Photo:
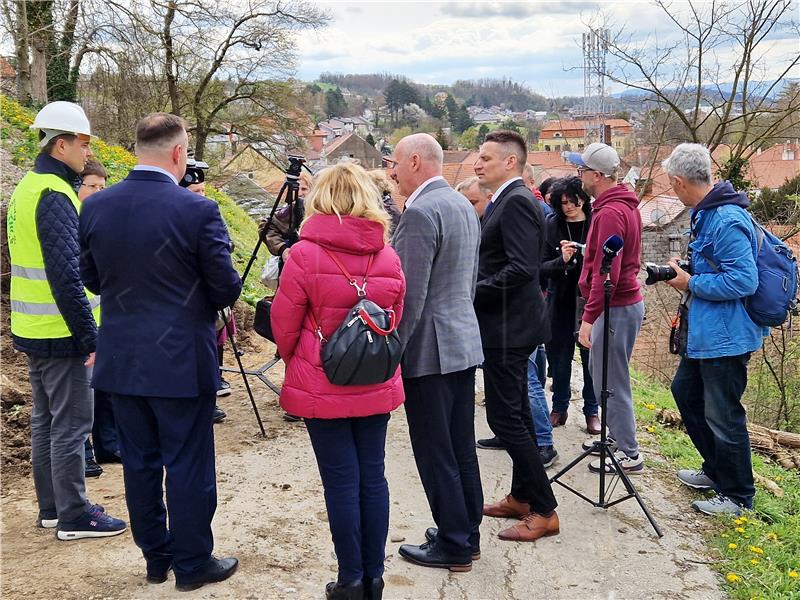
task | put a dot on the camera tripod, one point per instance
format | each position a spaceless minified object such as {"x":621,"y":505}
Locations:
{"x":604,"y":445}
{"x":289,"y":189}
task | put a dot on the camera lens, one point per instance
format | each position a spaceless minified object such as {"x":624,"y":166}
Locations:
{"x":656,"y":273}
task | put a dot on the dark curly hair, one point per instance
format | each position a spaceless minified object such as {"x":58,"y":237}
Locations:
{"x":571,"y":189}
{"x":545,"y":186}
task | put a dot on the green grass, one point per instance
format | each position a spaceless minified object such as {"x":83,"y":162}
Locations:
{"x":20,"y":141}
{"x":757,"y":556}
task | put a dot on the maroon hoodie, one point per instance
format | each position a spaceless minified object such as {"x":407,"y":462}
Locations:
{"x":614,"y":212}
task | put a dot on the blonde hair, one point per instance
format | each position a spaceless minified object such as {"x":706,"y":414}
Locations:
{"x":307,"y":179}
{"x":381,"y":181}
{"x":346,"y":189}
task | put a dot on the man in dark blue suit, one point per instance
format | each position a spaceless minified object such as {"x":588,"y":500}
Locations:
{"x":160,"y":257}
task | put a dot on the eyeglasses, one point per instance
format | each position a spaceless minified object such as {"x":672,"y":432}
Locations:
{"x":582,"y":170}
{"x":388,"y":163}
{"x":94,"y":186}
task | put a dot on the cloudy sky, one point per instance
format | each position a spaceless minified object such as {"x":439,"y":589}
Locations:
{"x":537,"y":43}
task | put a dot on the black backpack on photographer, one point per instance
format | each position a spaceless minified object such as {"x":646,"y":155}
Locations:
{"x":365,"y":349}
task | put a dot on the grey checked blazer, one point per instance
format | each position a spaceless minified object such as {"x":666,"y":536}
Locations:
{"x":438,"y":238}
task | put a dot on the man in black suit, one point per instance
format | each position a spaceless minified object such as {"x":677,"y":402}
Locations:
{"x":511,"y":314}
{"x":160,"y":256}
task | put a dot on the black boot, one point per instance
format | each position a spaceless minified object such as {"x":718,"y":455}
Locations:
{"x":344,"y":591}
{"x":373,"y":588}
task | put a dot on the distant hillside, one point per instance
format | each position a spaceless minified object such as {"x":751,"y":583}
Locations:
{"x":482,"y":92}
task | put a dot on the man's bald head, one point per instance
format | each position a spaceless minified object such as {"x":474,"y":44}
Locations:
{"x":417,"y":158}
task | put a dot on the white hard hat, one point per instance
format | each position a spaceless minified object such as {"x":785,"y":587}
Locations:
{"x":61,"y":117}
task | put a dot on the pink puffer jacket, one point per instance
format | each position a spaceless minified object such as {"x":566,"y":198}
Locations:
{"x":311,"y":281}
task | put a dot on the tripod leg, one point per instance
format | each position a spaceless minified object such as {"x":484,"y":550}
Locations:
{"x":244,"y":378}
{"x":632,"y":493}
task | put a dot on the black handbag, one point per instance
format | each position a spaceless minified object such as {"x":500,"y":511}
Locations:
{"x":261,"y":322}
{"x":679,"y":333}
{"x":365,"y":349}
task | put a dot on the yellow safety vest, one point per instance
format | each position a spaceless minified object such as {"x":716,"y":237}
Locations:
{"x":34,"y":313}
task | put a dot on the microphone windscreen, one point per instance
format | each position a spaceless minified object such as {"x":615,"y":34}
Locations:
{"x":613,"y":245}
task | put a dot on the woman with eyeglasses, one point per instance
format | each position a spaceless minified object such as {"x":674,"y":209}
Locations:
{"x":567,"y":230}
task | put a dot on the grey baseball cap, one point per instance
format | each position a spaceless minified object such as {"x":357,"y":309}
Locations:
{"x":597,"y":157}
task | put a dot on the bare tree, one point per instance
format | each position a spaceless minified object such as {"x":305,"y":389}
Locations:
{"x":220,"y":60}
{"x":718,"y":42}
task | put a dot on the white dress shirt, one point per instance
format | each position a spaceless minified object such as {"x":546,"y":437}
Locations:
{"x":156,"y":170}
{"x":418,"y":191}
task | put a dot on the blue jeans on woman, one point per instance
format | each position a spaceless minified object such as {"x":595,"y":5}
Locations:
{"x":708,"y":393}
{"x":350,"y":457}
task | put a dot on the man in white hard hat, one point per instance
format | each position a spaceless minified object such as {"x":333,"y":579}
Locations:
{"x":53,"y":321}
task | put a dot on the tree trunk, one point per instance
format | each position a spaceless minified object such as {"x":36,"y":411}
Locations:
{"x":39,"y":71}
{"x":200,"y":137}
{"x":169,"y":60}
{"x":22,"y":54}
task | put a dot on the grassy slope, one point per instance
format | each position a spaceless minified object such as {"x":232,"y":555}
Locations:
{"x":758,"y":555}
{"x":20,"y":141}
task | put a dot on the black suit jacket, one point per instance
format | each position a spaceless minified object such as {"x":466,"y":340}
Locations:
{"x":508,"y":299}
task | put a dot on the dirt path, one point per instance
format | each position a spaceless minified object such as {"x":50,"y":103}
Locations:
{"x":271,"y":516}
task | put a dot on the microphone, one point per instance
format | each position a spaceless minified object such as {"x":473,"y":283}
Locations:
{"x":611,"y":248}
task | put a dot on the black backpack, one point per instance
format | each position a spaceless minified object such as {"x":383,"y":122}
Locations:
{"x":365,"y":349}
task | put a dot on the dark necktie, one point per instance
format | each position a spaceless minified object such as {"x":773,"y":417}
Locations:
{"x":488,"y":211}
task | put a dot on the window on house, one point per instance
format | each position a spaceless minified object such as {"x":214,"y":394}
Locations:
{"x":558,"y":147}
{"x":547,"y":147}
{"x":580,"y":146}
{"x":557,"y":134}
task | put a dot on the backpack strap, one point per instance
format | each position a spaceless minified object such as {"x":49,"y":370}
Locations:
{"x":361,"y":290}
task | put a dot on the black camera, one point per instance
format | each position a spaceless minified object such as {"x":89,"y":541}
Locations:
{"x":656,"y":273}
{"x":296,"y":163}
{"x":579,"y":248}
{"x":195,"y":172}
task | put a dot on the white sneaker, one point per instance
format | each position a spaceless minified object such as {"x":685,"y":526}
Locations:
{"x":631,"y":466}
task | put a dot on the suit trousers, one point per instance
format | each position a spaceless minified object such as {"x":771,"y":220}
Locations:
{"x":61,"y":419}
{"x":350,"y":456}
{"x":508,"y":412}
{"x":176,"y":435}
{"x":441,"y":422}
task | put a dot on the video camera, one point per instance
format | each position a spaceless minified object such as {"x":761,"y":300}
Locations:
{"x":195,"y":172}
{"x":656,"y":273}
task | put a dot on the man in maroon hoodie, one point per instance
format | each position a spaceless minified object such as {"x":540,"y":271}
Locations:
{"x":614,"y":212}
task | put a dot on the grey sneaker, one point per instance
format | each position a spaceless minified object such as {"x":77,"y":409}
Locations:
{"x":631,"y":466}
{"x":697,"y":480}
{"x":718,"y":505}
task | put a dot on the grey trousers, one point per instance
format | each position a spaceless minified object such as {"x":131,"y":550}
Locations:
{"x":624,"y":327}
{"x":61,"y":420}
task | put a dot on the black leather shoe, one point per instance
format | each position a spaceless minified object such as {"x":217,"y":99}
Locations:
{"x":548,"y":455}
{"x":432,"y":532}
{"x":154,"y":576}
{"x":217,"y":569}
{"x":430,"y":555}
{"x":93,"y":469}
{"x":344,"y":591}
{"x":373,"y":588}
{"x":491,"y":444}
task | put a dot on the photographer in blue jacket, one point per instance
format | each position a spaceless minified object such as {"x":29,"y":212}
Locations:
{"x":712,"y":374}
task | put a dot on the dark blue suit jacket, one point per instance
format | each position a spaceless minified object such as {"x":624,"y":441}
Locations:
{"x":159,"y":256}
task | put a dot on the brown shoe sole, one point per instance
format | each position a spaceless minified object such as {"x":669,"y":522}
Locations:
{"x":548,"y":534}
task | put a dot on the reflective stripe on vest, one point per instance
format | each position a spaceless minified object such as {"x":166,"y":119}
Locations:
{"x":34,"y":313}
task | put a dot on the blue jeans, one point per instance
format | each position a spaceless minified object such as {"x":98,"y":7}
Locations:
{"x":708,"y":393}
{"x":539,"y":411}
{"x":541,"y":363}
{"x":350,"y":457}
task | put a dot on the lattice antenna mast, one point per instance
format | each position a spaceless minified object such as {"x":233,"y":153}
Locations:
{"x":595,"y":48}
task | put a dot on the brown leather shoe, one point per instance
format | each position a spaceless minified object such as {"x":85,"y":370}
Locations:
{"x":531,"y":528}
{"x":508,"y":508}
{"x":592,"y":424}
{"x":557,"y":419}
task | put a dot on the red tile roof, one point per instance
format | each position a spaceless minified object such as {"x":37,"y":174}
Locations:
{"x":578,"y":124}
{"x":336,"y":143}
{"x":6,"y":70}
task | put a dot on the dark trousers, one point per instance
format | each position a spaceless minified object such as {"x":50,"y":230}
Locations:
{"x":104,"y":429}
{"x":505,"y":374}
{"x":708,"y":393}
{"x":176,"y":435}
{"x":560,"y":353}
{"x":441,"y":422}
{"x":350,"y":457}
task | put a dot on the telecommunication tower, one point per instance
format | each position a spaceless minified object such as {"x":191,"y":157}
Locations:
{"x":595,"y":47}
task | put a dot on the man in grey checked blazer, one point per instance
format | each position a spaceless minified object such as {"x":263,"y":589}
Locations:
{"x":438,"y":239}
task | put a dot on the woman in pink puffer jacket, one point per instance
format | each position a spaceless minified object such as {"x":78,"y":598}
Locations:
{"x":346,"y":424}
